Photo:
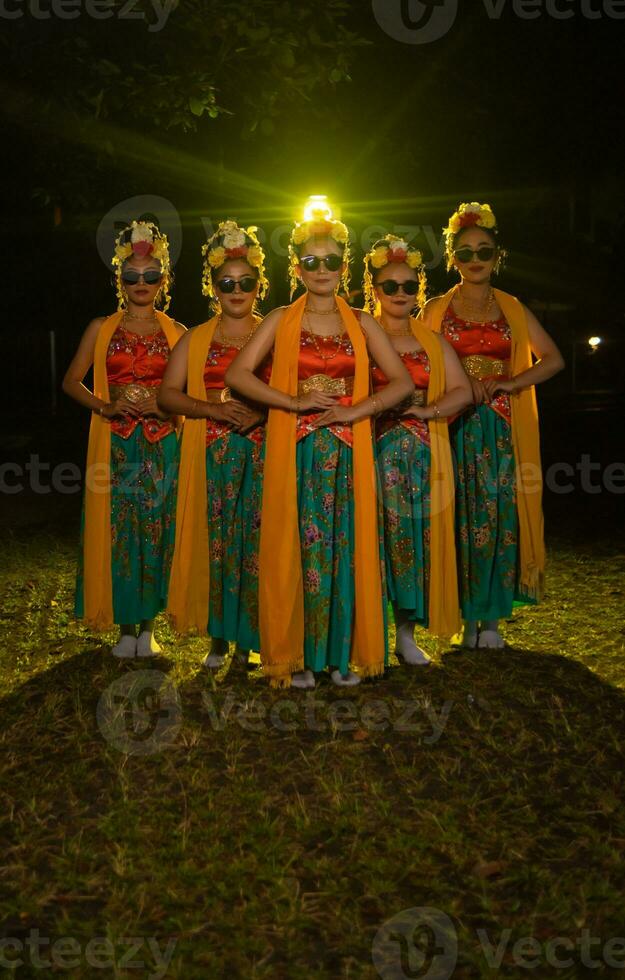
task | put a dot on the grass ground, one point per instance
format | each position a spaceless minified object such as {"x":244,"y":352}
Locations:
{"x":264,"y":834}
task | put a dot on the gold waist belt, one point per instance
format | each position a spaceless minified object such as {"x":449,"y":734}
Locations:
{"x":134,"y":393}
{"x":321,"y":382}
{"x":419,"y":397}
{"x":479,"y":366}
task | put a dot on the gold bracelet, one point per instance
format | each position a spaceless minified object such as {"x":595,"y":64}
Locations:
{"x":295,"y":398}
{"x":435,"y":411}
{"x":378,"y":405}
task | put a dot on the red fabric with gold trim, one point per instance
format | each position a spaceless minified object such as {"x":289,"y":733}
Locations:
{"x":492,"y":339}
{"x":220,"y":357}
{"x":417,"y":364}
{"x":132,"y":359}
{"x":343,"y":365}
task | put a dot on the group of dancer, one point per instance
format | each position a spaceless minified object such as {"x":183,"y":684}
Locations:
{"x":275,"y":483}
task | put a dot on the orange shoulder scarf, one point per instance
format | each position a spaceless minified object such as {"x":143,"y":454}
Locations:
{"x":187,"y":602}
{"x":98,"y":584}
{"x":281,"y":594}
{"x":525,"y":440}
{"x":444,"y":611}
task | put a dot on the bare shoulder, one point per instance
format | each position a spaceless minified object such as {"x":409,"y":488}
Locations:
{"x":367,"y":322}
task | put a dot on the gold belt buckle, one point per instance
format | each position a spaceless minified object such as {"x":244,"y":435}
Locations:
{"x":136,"y":393}
{"x":418,"y":397}
{"x":480,"y":366}
{"x":322,"y":382}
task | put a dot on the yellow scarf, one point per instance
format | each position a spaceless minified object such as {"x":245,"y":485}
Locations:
{"x":444,"y":612}
{"x":188,"y":597}
{"x":98,"y":583}
{"x":525,"y":441}
{"x":281,"y":590}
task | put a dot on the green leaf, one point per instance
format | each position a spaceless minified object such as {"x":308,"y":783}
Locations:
{"x":196,"y":106}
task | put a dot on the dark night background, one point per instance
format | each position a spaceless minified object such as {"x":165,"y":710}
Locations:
{"x":243,"y":110}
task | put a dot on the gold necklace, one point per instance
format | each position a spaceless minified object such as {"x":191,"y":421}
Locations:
{"x":137,"y":316}
{"x":475,"y":313}
{"x":311,"y":309}
{"x":325,"y":357}
{"x":236,"y":342}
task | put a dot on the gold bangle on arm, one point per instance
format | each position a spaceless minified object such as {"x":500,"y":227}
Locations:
{"x":436,"y":412}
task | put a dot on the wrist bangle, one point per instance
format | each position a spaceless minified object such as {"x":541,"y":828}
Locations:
{"x":101,"y":411}
{"x":295,"y":404}
{"x":435,"y":411}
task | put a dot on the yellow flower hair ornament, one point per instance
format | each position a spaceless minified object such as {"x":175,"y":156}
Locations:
{"x":232,"y":242}
{"x":474,"y":215}
{"x":142,"y":238}
{"x":319,"y":225}
{"x":392,"y":249}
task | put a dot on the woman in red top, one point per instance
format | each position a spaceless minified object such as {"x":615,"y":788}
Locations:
{"x":127,"y":538}
{"x":321,"y":594}
{"x":394,"y":286}
{"x":498,"y":502}
{"x":214,"y":582}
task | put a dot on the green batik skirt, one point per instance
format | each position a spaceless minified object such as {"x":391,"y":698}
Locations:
{"x":487,"y":531}
{"x":404,"y":468}
{"x":234,"y":483}
{"x":143,"y":494}
{"x":326,"y":524}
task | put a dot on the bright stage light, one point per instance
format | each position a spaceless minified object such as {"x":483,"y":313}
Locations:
{"x":317,"y":206}
{"x":594,"y":342}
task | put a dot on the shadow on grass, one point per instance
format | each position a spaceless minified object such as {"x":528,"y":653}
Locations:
{"x":271,"y":833}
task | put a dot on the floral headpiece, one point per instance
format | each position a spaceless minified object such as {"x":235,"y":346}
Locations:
{"x":472,"y":215}
{"x":319,"y":225}
{"x":392,"y":249}
{"x":232,"y":242}
{"x":142,"y":238}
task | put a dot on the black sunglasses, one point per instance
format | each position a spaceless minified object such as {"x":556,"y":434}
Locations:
{"x":484,"y":254}
{"x":150,"y":277}
{"x":247,"y":283}
{"x":390,"y":287}
{"x":311,"y":263}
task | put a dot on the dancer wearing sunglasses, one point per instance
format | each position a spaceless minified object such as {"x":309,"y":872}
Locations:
{"x":214,"y":577}
{"x":499,"y":518}
{"x":321,"y":576}
{"x":414,"y":456}
{"x":127,"y":536}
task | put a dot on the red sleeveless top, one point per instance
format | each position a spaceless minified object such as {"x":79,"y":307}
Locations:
{"x":339,"y":361}
{"x":492,"y":340}
{"x":417,"y":364}
{"x":220,"y":357}
{"x":132,"y":359}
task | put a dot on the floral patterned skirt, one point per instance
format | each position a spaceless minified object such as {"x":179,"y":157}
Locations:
{"x":404,"y":467}
{"x":326,"y":523}
{"x":486,"y":515}
{"x":234,"y":483}
{"x":143,"y":494}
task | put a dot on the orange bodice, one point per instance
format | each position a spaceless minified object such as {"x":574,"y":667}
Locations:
{"x":135,"y":359}
{"x":220,"y":357}
{"x":491,"y":340}
{"x":338,"y":361}
{"x":417,"y":363}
